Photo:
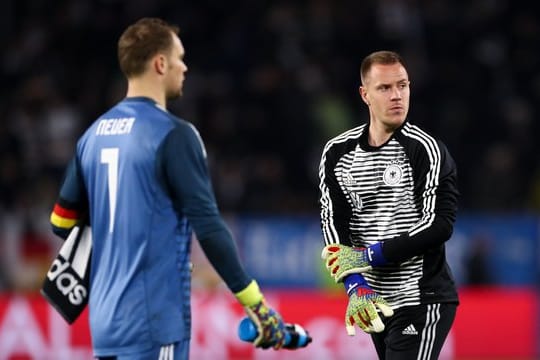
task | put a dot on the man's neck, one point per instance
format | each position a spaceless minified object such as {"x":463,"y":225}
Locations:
{"x":378,"y":135}
{"x":141,"y":87}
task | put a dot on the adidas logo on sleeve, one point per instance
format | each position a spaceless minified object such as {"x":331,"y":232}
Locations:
{"x":409,"y":330}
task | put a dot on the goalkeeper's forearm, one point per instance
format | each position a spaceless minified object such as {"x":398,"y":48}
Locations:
{"x":220,"y":249}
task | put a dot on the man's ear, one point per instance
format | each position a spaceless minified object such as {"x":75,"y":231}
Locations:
{"x":159,"y":62}
{"x":363,"y":94}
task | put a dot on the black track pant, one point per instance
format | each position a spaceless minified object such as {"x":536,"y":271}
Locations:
{"x":415,"y":332}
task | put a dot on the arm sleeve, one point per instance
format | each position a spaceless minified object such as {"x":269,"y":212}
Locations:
{"x":72,"y":204}
{"x":187,"y":176}
{"x":435,"y":178}
{"x":336,"y":211}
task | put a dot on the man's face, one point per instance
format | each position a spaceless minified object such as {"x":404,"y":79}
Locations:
{"x":386,"y":91}
{"x":175,"y":74}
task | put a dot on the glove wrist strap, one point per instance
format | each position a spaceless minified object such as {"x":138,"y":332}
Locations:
{"x":375,"y":255}
{"x":251,"y":295}
{"x":353,"y":281}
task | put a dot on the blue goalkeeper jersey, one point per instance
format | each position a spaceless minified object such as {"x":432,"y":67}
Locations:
{"x":144,"y":176}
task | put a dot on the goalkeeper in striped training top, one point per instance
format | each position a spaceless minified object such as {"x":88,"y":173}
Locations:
{"x":388,"y":201}
{"x":141,"y":175}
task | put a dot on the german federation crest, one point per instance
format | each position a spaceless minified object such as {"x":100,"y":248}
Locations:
{"x":392,"y":175}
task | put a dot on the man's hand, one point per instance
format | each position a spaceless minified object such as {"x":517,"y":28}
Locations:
{"x":270,"y":326}
{"x":342,"y":260}
{"x":362,"y":307}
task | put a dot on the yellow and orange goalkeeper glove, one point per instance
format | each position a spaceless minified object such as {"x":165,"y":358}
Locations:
{"x":343,"y":260}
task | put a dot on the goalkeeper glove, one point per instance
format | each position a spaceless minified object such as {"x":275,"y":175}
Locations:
{"x":270,"y":326}
{"x":362,"y":307}
{"x":342,"y":260}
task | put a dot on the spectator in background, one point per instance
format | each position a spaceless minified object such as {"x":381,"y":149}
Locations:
{"x":476,"y":262}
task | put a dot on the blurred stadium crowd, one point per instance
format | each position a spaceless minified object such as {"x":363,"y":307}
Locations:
{"x":269,"y":82}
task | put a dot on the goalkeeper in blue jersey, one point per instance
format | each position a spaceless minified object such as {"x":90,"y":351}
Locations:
{"x":140,"y":175}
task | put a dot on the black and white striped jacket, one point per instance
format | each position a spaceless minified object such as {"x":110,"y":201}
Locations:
{"x":404,"y":194}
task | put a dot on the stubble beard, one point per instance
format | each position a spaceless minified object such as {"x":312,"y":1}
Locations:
{"x":174,"y":94}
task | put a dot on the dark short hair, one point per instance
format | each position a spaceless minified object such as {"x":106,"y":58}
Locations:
{"x":142,"y":40}
{"x":383,"y":57}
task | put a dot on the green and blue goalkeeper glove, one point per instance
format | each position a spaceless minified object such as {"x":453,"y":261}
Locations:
{"x":270,"y":326}
{"x":342,"y":260}
{"x":362,"y":307}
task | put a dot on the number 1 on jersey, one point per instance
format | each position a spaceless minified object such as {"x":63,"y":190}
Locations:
{"x":109,"y":156}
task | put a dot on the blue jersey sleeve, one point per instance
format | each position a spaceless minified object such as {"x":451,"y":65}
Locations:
{"x":187,"y":178}
{"x":72,"y":204}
